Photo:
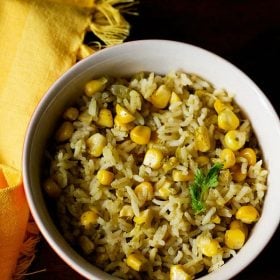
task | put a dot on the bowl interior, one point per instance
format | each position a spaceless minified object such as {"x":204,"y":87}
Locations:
{"x":160,"y":57}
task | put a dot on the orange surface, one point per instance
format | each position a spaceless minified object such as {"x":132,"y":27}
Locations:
{"x":14,"y":214}
{"x":3,"y":181}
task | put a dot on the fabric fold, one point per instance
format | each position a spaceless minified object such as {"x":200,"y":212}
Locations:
{"x":44,"y":47}
{"x":14,"y":214}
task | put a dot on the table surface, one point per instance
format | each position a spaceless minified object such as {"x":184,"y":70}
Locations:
{"x":246,"y":33}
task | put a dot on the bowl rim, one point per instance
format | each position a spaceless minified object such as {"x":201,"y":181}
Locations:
{"x":68,"y":75}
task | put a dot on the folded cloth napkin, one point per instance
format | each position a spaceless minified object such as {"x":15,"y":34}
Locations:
{"x":13,"y":219}
{"x":39,"y":41}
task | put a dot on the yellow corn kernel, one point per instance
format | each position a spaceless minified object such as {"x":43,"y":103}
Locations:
{"x":177,"y":272}
{"x":202,"y":160}
{"x":174,"y":98}
{"x":136,"y":261}
{"x":144,"y":192}
{"x":209,"y":247}
{"x":145,"y":217}
{"x":164,"y":192}
{"x":96,"y":144}
{"x":170,"y":164}
{"x":105,"y":177}
{"x":140,"y":134}
{"x":85,"y":117}
{"x":202,"y":139}
{"x":234,"y":239}
{"x":124,"y":115}
{"x":86,"y":244}
{"x":235,"y":139}
{"x":52,"y":188}
{"x":71,"y":114}
{"x":153,"y":158}
{"x":227,"y":157}
{"x":122,"y":126}
{"x":181,"y":153}
{"x":180,"y":176}
{"x":101,"y":258}
{"x":219,"y":106}
{"x":236,"y":173}
{"x":95,"y":86}
{"x":216,"y":219}
{"x":236,"y":224}
{"x":165,"y":189}
{"x":126,"y":211}
{"x":88,"y":219}
{"x":160,"y":97}
{"x":64,"y":132}
{"x":105,"y":118}
{"x":227,"y":120}
{"x":247,"y":214}
{"x":249,"y":154}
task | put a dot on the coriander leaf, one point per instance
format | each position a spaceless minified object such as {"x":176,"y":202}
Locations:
{"x":199,"y":177}
{"x":197,"y":204}
{"x":202,"y":183}
{"x":212,"y":176}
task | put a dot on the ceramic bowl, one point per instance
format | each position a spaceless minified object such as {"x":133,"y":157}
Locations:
{"x":161,"y":57}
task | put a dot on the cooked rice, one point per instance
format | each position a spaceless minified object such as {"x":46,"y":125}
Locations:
{"x":172,"y":236}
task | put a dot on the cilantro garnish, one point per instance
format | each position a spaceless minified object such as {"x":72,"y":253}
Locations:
{"x":202,"y":183}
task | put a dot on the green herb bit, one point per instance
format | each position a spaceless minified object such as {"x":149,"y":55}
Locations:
{"x":202,"y":183}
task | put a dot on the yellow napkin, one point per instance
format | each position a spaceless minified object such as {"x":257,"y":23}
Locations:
{"x":39,"y":41}
{"x":13,"y":219}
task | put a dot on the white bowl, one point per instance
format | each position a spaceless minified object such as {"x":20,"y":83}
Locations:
{"x":161,"y":57}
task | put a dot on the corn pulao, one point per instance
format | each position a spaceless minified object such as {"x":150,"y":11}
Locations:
{"x":155,"y":176}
